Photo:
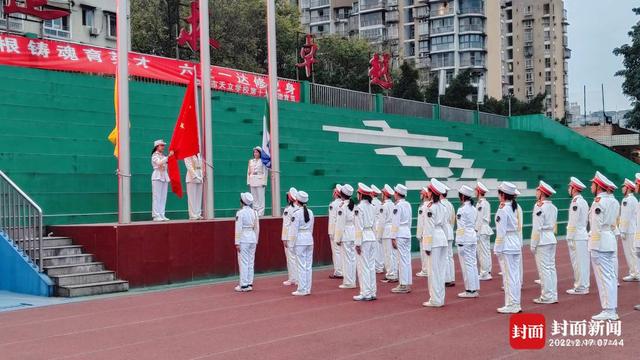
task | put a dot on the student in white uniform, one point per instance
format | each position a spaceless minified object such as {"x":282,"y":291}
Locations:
{"x":247,"y":231}
{"x":520,"y":220}
{"x":335,"y":249}
{"x":483,"y":228}
{"x":401,"y":239}
{"x":194,"y":186}
{"x":467,"y":240}
{"x":345,"y":237}
{"x":301,"y":235}
{"x":450,"y":220}
{"x":257,"y":174}
{"x":627,"y":224}
{"x":377,"y":206}
{"x":289,"y":250}
{"x":602,"y":245}
{"x":424,"y":258}
{"x":508,"y":248}
{"x":577,"y":237}
{"x":543,"y":243}
{"x":365,"y":244}
{"x":159,"y":180}
{"x":384,"y":227}
{"x":434,"y":242}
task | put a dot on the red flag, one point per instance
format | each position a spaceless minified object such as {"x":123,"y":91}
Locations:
{"x":184,"y":141}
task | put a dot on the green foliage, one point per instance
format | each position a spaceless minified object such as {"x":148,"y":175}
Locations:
{"x":343,"y":62}
{"x":431,"y":91}
{"x":631,"y":72}
{"x":460,"y":91}
{"x":406,"y":87}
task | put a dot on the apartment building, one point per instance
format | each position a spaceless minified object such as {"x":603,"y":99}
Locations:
{"x":536,"y":52}
{"x":90,"y":22}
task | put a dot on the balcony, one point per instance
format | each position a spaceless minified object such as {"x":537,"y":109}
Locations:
{"x":55,"y":31}
{"x":422,"y":62}
{"x":441,"y":29}
{"x":528,"y":51}
{"x":392,"y":16}
{"x":421,"y":12}
{"x":467,"y":11}
{"x":367,"y":5}
{"x":320,"y":19}
{"x":318,"y":3}
{"x":473,"y":45}
{"x":567,"y":53}
{"x":479,"y":63}
{"x":392,"y":3}
{"x":472,"y":28}
{"x":441,"y":11}
{"x":442,"y":47}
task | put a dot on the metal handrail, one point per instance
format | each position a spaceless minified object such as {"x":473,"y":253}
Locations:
{"x":21,"y":219}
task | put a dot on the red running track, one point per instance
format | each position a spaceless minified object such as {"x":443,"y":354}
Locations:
{"x":213,"y":322}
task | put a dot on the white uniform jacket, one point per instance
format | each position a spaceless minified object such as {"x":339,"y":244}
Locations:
{"x":287,"y":219}
{"x":256,"y":173}
{"x":602,"y":221}
{"x":483,"y":221}
{"x":420,"y":220}
{"x":434,"y":233}
{"x":345,"y":227}
{"x":364,"y":221}
{"x":194,"y":169}
{"x":466,"y":221}
{"x":578,"y":218}
{"x":401,"y":223}
{"x":386,"y":219}
{"x":450,"y":219}
{"x":159,"y":163}
{"x":543,"y":226}
{"x":377,"y":206}
{"x":247,"y":226}
{"x":301,"y":232}
{"x":507,"y":238}
{"x":628,"y":210}
{"x":333,"y":213}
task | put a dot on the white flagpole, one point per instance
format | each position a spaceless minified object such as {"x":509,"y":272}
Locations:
{"x":273,"y":108}
{"x":124,"y":165}
{"x":205,"y":67}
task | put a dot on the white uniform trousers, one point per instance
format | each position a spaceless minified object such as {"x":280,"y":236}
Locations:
{"x":546,"y":264}
{"x":348,"y":256}
{"x":290,"y":253}
{"x":404,"y":261}
{"x":630,"y":254}
{"x":304,"y":262}
{"x":379,"y":258}
{"x":194,"y":200}
{"x":469,"y":266}
{"x":424,"y":260}
{"x":510,"y":267}
{"x":246,"y":260}
{"x":484,"y":254}
{"x":390,"y":259}
{"x":450,"y":274}
{"x":258,"y":198}
{"x":159,"y":199}
{"x":579,"y":255}
{"x":367,"y":269}
{"x":335,"y":257}
{"x":603,"y":269}
{"x":437,"y":273}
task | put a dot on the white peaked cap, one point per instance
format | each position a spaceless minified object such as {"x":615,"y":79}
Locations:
{"x":364,"y":189}
{"x":388,"y":190}
{"x":577,"y":184}
{"x":480,"y":186}
{"x":258,"y":148}
{"x":630,"y":184}
{"x":400,"y":189}
{"x":246,"y":198}
{"x":375,"y":190}
{"x":347,"y":189}
{"x":638,"y":177}
{"x":466,"y":191}
{"x":338,"y":187}
{"x":508,"y":188}
{"x":517,"y":192}
{"x":437,"y":187}
{"x":302,"y":197}
{"x":159,"y":142}
{"x":446,"y":188}
{"x":546,"y":188}
{"x":603,"y":181}
{"x":293,"y":192}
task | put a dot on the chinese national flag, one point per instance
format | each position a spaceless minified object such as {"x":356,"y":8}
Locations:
{"x":184,"y":141}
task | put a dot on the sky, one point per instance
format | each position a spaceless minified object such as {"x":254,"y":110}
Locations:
{"x":595,"y":28}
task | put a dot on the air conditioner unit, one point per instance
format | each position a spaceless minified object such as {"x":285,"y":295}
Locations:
{"x":94,"y":31}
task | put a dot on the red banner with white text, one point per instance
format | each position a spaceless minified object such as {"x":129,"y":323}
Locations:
{"x":57,"y":55}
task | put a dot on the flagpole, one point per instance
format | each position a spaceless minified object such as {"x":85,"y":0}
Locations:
{"x":273,"y":108}
{"x":122,"y":74}
{"x":205,"y":68}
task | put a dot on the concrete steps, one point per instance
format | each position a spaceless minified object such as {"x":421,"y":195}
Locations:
{"x":76,"y":273}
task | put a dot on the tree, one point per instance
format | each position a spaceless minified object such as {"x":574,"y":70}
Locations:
{"x":343,"y":62}
{"x":631,"y":72}
{"x":407,"y":86}
{"x":432,"y":90}
{"x":459,"y":91}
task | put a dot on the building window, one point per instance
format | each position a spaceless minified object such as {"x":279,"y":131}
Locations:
{"x":547,"y":89}
{"x":528,"y":24}
{"x":471,"y":41}
{"x":547,"y":76}
{"x":10,"y":23}
{"x":528,"y":63}
{"x":528,"y":76}
{"x":510,"y":80}
{"x":88,"y":16}
{"x":547,"y":35}
{"x":546,"y":22}
{"x":528,"y":35}
{"x":439,"y":26}
{"x":547,"y":62}
{"x":545,"y":9}
{"x":509,"y":28}
{"x":57,"y":28}
{"x":111,"y":25}
{"x":509,"y":54}
{"x":442,"y":43}
{"x":371,"y":19}
{"x":528,"y":10}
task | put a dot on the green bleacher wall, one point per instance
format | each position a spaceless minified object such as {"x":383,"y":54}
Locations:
{"x":54,"y":128}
